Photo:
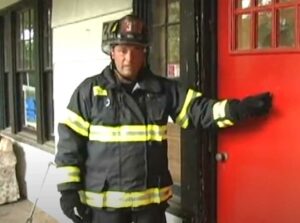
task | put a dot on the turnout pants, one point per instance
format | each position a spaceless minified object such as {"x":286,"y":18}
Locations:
{"x":148,"y":214}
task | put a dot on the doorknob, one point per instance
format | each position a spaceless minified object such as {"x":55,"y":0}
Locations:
{"x":221,"y":157}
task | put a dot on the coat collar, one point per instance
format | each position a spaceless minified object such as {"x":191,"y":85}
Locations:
{"x":147,"y":80}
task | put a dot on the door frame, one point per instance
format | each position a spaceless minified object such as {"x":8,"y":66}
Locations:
{"x":208,"y":72}
{"x":198,"y":53}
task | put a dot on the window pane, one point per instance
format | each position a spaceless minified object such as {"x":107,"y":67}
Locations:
{"x":25,"y":41}
{"x":7,"y":102}
{"x":19,"y":41}
{"x":243,"y":4}
{"x":157,"y":51}
{"x":26,"y":38}
{"x":173,"y":51}
{"x":264,"y":30}
{"x":243,"y":31}
{"x":159,"y":12}
{"x":173,"y":11}
{"x":29,"y":100}
{"x":287,"y":32}
{"x":6,"y":47}
{"x":31,"y":41}
{"x":264,"y":2}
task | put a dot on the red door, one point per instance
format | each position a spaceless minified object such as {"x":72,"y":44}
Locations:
{"x":260,"y":180}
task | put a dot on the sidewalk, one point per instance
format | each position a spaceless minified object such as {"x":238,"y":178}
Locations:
{"x":18,"y":212}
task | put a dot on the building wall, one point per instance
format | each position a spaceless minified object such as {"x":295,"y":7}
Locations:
{"x":5,"y":3}
{"x":70,"y":11}
{"x":77,"y":55}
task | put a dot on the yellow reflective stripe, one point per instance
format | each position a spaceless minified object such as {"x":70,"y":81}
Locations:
{"x":128,"y":133}
{"x":116,"y":199}
{"x":219,"y":114}
{"x":182,"y":119}
{"x":99,"y":91}
{"x":68,"y":174}
{"x":219,"y":109}
{"x":77,"y":123}
{"x":225,"y":123}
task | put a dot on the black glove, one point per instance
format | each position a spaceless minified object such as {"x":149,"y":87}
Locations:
{"x":255,"y":105}
{"x":73,"y":208}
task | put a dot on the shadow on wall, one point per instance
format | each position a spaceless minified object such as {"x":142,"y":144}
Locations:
{"x":21,"y":170}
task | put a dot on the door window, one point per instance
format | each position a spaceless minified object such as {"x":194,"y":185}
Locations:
{"x":265,"y":25}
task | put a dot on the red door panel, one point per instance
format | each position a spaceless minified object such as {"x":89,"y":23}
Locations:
{"x":260,"y":181}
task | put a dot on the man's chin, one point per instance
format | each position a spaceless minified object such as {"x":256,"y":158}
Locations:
{"x":128,"y":74}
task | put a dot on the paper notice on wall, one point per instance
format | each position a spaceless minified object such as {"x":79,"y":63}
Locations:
{"x":173,"y":70}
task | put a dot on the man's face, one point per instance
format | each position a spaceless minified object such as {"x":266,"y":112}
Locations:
{"x":129,"y":59}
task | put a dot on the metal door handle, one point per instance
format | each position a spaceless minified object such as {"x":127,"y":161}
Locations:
{"x":221,"y":157}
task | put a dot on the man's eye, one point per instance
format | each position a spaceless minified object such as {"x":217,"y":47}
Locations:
{"x":123,"y":50}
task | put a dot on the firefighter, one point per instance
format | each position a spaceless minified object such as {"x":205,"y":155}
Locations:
{"x":112,"y":148}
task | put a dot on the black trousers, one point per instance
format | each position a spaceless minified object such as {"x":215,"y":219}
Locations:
{"x":147,"y":214}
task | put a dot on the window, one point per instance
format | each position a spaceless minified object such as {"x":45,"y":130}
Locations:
{"x":164,"y":51}
{"x":26,"y":68}
{"x":262,"y":25}
{"x":164,"y":60}
{"x":4,"y":102}
{"x":6,"y":73}
{"x":29,"y":47}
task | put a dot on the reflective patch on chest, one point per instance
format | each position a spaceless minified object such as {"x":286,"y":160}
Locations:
{"x":107,"y":102}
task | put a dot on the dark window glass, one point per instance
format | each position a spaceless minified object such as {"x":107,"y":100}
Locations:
{"x":6,"y":73}
{"x":26,"y":68}
{"x":264,"y":31}
{"x":243,"y":31}
{"x":287,"y":28}
{"x":164,"y":51}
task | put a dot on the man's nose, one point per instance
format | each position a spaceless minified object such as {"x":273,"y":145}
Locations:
{"x":129,"y":56}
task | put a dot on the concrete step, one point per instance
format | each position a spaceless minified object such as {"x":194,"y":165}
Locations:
{"x":18,"y":212}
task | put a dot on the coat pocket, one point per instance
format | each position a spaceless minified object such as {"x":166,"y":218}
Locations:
{"x":95,"y":181}
{"x":156,"y":107}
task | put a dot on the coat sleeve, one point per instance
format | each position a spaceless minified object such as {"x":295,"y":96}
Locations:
{"x":191,"y":109}
{"x":73,"y":135}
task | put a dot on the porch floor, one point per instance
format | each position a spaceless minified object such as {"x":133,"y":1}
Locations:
{"x":18,"y":212}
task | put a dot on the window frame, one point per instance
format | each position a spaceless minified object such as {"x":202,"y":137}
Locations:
{"x":24,"y":69}
{"x":164,"y":26}
{"x":44,"y":96}
{"x":253,"y":10}
{"x":3,"y":100}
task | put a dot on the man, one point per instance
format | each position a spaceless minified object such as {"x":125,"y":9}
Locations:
{"x":112,"y":149}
